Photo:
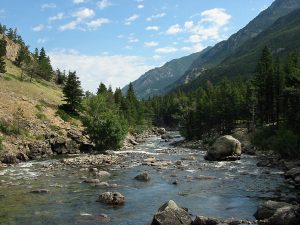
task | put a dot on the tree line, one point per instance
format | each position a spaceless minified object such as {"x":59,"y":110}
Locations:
{"x":268,"y":104}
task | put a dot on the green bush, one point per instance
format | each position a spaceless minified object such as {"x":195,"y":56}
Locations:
{"x":1,"y":143}
{"x":8,"y":129}
{"x":106,"y":128}
{"x":286,"y":143}
{"x":63,"y":115}
{"x":263,"y":137}
{"x":41,"y":116}
{"x":283,"y":141}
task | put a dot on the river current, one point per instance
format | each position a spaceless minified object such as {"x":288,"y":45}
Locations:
{"x":217,"y":189}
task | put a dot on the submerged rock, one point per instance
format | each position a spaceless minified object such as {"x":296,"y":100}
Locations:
{"x":111,"y":198}
{"x":102,"y":174}
{"x":224,"y":148}
{"x":40,"y":191}
{"x":278,"y":213}
{"x":143,"y":177}
{"x":202,"y":220}
{"x":169,"y":213}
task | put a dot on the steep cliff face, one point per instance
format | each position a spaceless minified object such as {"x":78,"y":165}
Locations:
{"x":11,"y":49}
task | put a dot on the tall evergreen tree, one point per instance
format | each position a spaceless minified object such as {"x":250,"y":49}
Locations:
{"x":102,"y":89}
{"x":72,"y":92}
{"x":2,"y":55}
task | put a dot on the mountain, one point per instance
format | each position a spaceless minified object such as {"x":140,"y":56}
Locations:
{"x":156,"y":80}
{"x":282,"y":37}
{"x":225,"y":49}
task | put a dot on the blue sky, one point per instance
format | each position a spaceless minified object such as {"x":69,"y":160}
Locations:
{"x":116,"y":41}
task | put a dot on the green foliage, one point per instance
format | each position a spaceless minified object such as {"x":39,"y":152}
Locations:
{"x":44,"y":70}
{"x":63,"y":115}
{"x":105,"y":126}
{"x":1,"y":143}
{"x":60,"y":76}
{"x":41,"y":116}
{"x":72,"y":92}
{"x":2,"y":55}
{"x":287,"y":143}
{"x":283,"y":141}
{"x":8,"y":128}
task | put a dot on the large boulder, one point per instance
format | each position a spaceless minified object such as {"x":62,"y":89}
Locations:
{"x":169,"y":213}
{"x":278,"y":213}
{"x":9,"y":158}
{"x":224,"y":148}
{"x":111,"y":198}
{"x":143,"y":177}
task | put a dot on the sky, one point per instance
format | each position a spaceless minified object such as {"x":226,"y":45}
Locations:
{"x":116,"y":41}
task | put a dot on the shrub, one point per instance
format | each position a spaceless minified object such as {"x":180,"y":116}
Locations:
{"x":263,"y":137}
{"x":283,"y":141}
{"x":286,"y":143}
{"x":63,"y":115}
{"x":106,"y":128}
{"x":1,"y":143}
{"x":41,"y":116}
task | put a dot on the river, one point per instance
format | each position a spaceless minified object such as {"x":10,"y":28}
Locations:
{"x":216,"y":189}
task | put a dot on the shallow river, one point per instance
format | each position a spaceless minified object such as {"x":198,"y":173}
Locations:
{"x":218,"y":189}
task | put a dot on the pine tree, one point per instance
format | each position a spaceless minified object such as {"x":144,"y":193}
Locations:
{"x":72,"y":92}
{"x":2,"y":55}
{"x":102,"y":89}
{"x":264,"y":79}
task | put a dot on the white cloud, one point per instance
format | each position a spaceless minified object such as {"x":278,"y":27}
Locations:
{"x":48,"y":6}
{"x":133,"y":40}
{"x":131,"y":19}
{"x":69,"y":26}
{"x":174,"y":29}
{"x":216,"y":15}
{"x":156,"y":57}
{"x":42,"y":40}
{"x":210,"y":25}
{"x":38,"y":28}
{"x":79,"y":1}
{"x":195,"y":38}
{"x":58,"y":16}
{"x":117,"y":70}
{"x":195,"y":48}
{"x":188,"y":24}
{"x":104,"y":4}
{"x":140,"y":6}
{"x":156,"y":16}
{"x":94,"y":24}
{"x":166,"y":50}
{"x":151,"y":44}
{"x":84,"y":13}
{"x":155,"y":28}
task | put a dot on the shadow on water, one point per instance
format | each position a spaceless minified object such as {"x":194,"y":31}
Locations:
{"x":218,"y":189}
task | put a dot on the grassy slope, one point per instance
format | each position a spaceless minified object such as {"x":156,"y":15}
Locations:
{"x":38,"y":100}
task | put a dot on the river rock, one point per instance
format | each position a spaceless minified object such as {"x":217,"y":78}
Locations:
{"x":159,"y":131}
{"x":40,"y":191}
{"x":9,"y":158}
{"x":224,"y":148}
{"x":102,"y":174}
{"x":143,"y":177}
{"x":202,"y":220}
{"x":166,"y":137}
{"x":278,"y":213}
{"x":111,"y":198}
{"x":169,"y":213}
{"x":22,"y":156}
{"x":92,"y":181}
{"x":292,"y":173}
